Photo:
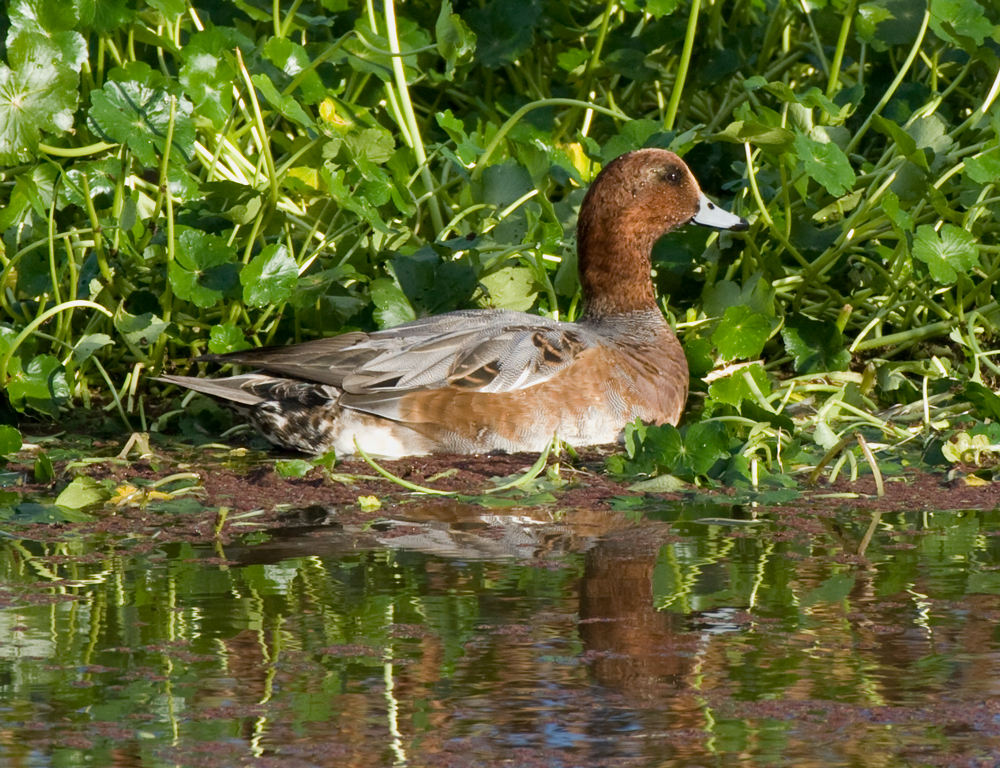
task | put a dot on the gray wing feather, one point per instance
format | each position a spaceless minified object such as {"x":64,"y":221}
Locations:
{"x":479,"y":350}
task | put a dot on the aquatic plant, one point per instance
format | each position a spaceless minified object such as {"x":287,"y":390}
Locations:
{"x":180,"y":179}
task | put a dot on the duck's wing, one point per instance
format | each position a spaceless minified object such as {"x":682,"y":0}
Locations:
{"x":480,"y":350}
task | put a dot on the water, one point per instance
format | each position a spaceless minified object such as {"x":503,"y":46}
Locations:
{"x":457,"y":636}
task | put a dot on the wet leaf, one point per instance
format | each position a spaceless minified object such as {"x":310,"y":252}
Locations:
{"x":741,"y":334}
{"x":133,"y":108}
{"x":41,"y":95}
{"x":948,"y":253}
{"x":270,"y":277}
{"x":392,"y":308}
{"x":226,"y":338}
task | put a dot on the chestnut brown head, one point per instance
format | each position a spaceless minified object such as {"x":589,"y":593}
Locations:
{"x":633,"y":202}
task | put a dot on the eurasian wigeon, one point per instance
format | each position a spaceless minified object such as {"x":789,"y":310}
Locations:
{"x":481,"y":380}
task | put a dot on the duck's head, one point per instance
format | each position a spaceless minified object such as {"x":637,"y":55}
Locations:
{"x":636,"y":199}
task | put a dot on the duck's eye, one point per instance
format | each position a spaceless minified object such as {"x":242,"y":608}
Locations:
{"x":671,"y":176}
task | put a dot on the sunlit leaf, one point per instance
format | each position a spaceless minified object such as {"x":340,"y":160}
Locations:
{"x":10,"y":440}
{"x":38,"y":96}
{"x":741,"y":334}
{"x":826,"y":164}
{"x":270,"y":277}
{"x":226,"y":338}
{"x":510,"y":288}
{"x":82,"y":492}
{"x":133,"y":108}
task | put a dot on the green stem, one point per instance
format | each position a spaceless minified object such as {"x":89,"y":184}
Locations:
{"x":682,"y":67}
{"x":262,"y":142}
{"x":838,"y":55}
{"x":90,"y":149}
{"x":891,"y":90}
{"x":399,"y":72}
{"x":5,"y":361}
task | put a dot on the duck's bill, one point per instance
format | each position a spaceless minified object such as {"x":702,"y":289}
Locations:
{"x":711,"y":215}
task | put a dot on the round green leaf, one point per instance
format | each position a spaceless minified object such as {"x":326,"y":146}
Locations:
{"x":947,"y":253}
{"x":270,"y":278}
{"x":741,"y":334}
{"x":826,"y":164}
{"x":39,"y":94}
{"x":226,"y":338}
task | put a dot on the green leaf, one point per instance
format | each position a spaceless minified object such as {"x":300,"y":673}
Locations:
{"x":10,"y":440}
{"x":41,"y":386}
{"x":504,"y":30}
{"x":985,"y":399}
{"x":89,"y":344}
{"x":902,"y":219}
{"x":984,"y":168}
{"x":82,"y":492}
{"x":133,"y":108}
{"x":293,"y":467}
{"x":704,"y":444}
{"x":392,"y":308}
{"x":43,"y":470}
{"x":741,"y":334}
{"x":510,"y":288}
{"x":905,"y":143}
{"x":41,"y":95}
{"x":287,"y":106}
{"x":962,"y":22}
{"x":947,"y":253}
{"x":870,"y":15}
{"x":207,"y":75}
{"x":826,"y":164}
{"x":758,"y":134}
{"x":204,"y":269}
{"x":226,"y":338}
{"x":816,"y":346}
{"x":455,"y":41}
{"x":139,"y":330}
{"x":270,"y":277}
{"x":734,"y":389}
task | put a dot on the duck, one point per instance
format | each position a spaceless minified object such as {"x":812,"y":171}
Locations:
{"x":493,"y":380}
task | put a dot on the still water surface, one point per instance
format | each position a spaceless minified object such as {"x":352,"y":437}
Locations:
{"x":458,"y":636}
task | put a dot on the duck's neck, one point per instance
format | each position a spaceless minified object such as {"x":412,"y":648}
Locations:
{"x":614,"y":268}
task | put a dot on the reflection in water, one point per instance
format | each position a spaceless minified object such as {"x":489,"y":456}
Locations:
{"x":462,"y":636}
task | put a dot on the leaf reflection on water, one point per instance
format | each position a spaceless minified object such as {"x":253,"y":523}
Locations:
{"x":453,"y":634}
